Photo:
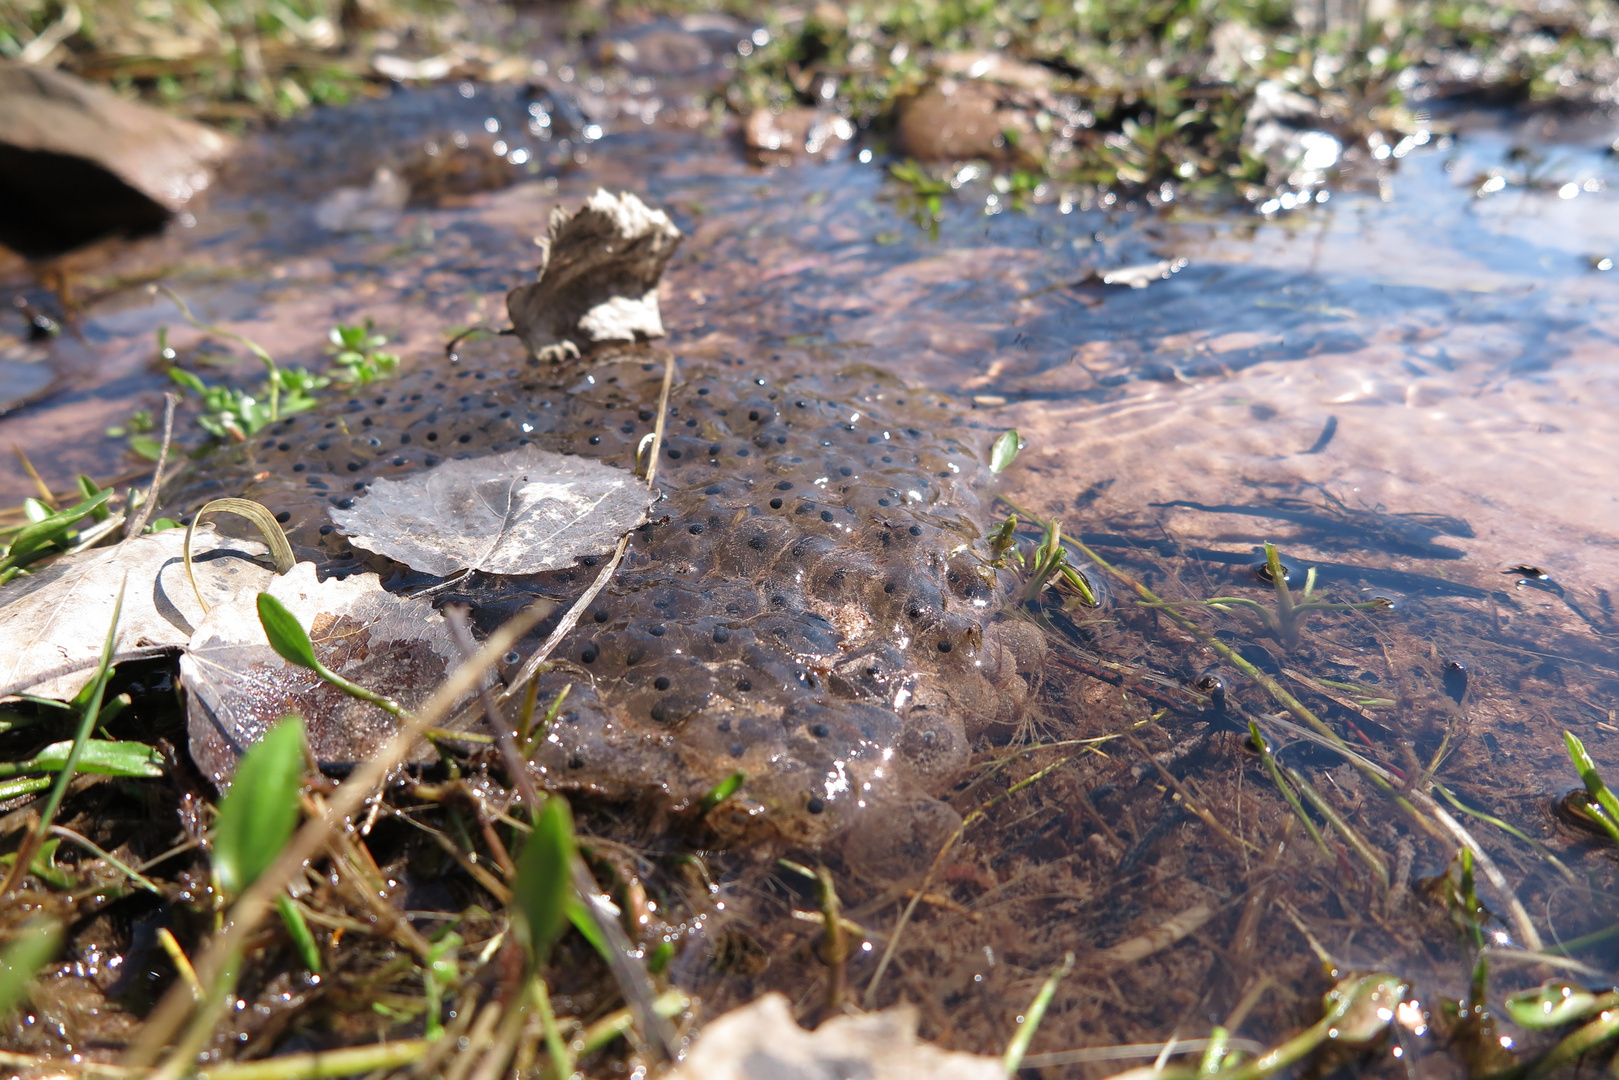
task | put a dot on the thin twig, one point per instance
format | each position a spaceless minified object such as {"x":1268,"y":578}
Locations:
{"x":531,"y":666}
{"x":456,"y":616}
{"x":106,"y":856}
{"x":135,"y":527}
{"x":33,"y":474}
{"x":663,"y":416}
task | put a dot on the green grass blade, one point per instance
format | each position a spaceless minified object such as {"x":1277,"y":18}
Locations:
{"x":292,"y":916}
{"x":724,"y":790}
{"x":582,"y":921}
{"x":555,"y":1045}
{"x":1029,"y":1023}
{"x":1356,"y":842}
{"x":259,"y":812}
{"x":544,"y":882}
{"x":1285,"y":788}
{"x":98,"y":756}
{"x":1215,"y":1053}
{"x":23,"y":958}
{"x":1510,"y":830}
{"x":1604,"y":806}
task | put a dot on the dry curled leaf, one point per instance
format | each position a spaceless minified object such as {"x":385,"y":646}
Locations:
{"x":599,"y":281}
{"x":762,"y":1041}
{"x":520,"y":512}
{"x":57,"y":619}
{"x":237,"y":687}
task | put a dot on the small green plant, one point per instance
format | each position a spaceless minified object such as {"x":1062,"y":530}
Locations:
{"x":1047,"y":565}
{"x":232,"y":413}
{"x":290,"y":642}
{"x":1286,"y":623}
{"x":529,"y":733}
{"x":256,"y":819}
{"x":88,"y":705}
{"x":137,"y":431}
{"x":441,"y":972}
{"x":923,"y":198}
{"x":1019,"y":185}
{"x":1599,"y":803}
{"x":1003,"y":542}
{"x":357,"y":350}
{"x":47,"y":532}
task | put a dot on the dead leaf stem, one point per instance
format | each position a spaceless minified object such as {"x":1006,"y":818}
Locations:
{"x":134,"y":528}
{"x":663,"y":416}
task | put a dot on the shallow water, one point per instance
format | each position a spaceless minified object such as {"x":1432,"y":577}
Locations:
{"x":1413,"y":376}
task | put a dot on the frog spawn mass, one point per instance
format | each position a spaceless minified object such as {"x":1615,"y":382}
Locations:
{"x":810,"y":602}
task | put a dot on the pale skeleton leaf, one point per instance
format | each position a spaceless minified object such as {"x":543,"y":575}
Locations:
{"x":53,"y":623}
{"x":237,"y":687}
{"x":520,"y":512}
{"x":762,"y":1041}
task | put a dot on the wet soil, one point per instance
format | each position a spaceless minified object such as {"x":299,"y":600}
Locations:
{"x":1405,"y":387}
